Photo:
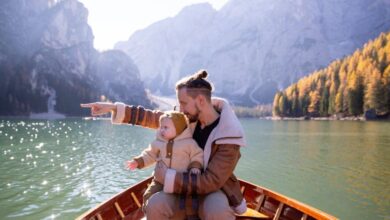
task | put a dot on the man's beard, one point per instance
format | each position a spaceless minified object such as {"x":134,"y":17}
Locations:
{"x":195,"y":117}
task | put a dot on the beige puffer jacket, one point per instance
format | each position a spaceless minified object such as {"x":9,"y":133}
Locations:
{"x":180,"y":154}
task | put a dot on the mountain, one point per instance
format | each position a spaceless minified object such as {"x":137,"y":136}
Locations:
{"x":160,"y":50}
{"x":48,"y":62}
{"x":356,"y":84}
{"x":253,"y":48}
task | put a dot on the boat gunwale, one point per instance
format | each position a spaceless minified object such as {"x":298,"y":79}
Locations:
{"x":302,"y":207}
{"x":112,"y":199}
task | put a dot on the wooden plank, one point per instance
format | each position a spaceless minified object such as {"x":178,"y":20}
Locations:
{"x":260,"y":202}
{"x":99,"y":217}
{"x":310,"y":211}
{"x":109,"y":204}
{"x":135,"y":199}
{"x":118,"y":208}
{"x":258,"y":197}
{"x":278,"y":211}
{"x":242,"y":189}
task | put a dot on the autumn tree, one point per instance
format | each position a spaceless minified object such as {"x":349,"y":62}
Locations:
{"x":275,"y":106}
{"x":375,"y":94}
{"x":349,"y":86}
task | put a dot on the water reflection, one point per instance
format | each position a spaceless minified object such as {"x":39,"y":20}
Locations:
{"x":58,"y":169}
{"x":336,"y":166}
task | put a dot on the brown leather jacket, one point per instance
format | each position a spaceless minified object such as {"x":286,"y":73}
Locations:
{"x":221,"y":153}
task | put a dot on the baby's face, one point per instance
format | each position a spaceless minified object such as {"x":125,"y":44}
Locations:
{"x":167,"y":129}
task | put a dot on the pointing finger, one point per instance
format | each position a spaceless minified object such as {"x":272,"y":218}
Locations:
{"x":87,"y":105}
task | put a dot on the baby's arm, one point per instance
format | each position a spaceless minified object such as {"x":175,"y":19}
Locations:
{"x":131,"y":165}
{"x":147,"y":157}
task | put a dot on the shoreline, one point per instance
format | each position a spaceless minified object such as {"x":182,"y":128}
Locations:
{"x":271,"y":118}
{"x":360,"y":118}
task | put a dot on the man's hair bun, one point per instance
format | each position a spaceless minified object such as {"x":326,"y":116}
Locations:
{"x":196,"y":84}
{"x":201,"y":74}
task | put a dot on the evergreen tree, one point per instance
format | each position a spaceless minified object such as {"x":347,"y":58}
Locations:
{"x":295,"y":107}
{"x":386,"y":82}
{"x":324,"y":103}
{"x":334,"y":86}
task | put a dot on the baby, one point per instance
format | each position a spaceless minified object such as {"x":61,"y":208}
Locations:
{"x":173,"y":146}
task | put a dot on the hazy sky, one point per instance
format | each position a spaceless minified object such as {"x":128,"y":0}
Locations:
{"x":116,"y":20}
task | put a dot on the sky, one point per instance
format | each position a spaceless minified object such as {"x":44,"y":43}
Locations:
{"x":116,"y":20}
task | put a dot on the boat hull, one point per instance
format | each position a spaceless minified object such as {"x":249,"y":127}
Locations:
{"x":262,"y":204}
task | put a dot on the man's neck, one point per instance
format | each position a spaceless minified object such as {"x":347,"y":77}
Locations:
{"x":208,"y":116}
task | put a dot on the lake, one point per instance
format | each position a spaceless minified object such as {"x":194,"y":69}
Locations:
{"x":60,"y":169}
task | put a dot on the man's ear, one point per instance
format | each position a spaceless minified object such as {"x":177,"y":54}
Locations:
{"x":201,"y":100}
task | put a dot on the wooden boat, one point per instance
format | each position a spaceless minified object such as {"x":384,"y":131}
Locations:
{"x":262,"y":204}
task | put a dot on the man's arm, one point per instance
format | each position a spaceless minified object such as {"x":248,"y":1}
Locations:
{"x":128,"y":114}
{"x":125,"y":114}
{"x":218,"y":171}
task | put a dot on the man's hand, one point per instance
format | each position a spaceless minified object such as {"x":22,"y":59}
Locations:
{"x":99,"y":108}
{"x":159,"y":172}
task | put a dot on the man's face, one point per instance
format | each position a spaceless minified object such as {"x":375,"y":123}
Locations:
{"x":188,"y":105}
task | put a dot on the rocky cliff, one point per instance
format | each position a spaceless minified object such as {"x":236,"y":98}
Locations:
{"x":46,"y":53}
{"x":253,"y":48}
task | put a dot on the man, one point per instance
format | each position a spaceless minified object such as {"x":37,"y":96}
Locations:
{"x":217,"y":131}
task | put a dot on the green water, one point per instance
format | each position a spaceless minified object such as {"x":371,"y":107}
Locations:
{"x":59,"y":169}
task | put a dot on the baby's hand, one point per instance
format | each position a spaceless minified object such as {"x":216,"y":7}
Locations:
{"x":195,"y":171}
{"x":131,"y":165}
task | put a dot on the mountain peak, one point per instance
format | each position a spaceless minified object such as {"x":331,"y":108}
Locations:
{"x":251,"y":48}
{"x":196,"y":8}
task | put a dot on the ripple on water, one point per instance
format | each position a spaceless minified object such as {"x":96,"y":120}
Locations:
{"x":303,"y":160}
{"x":25,"y":211}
